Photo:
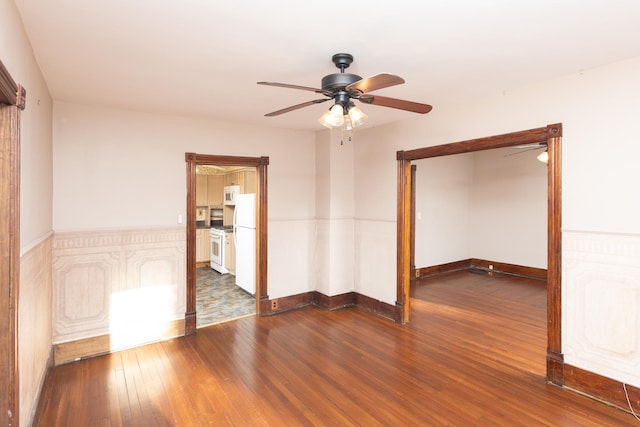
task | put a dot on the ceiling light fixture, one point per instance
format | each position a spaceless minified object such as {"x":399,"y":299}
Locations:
{"x":339,"y":116}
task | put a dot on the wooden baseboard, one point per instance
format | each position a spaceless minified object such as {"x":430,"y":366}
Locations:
{"x":442,"y":268}
{"x":498,"y":267}
{"x":555,"y":367}
{"x":335,"y":302}
{"x":96,"y":346}
{"x":518,"y":270}
{"x":349,"y":299}
{"x":602,"y":388}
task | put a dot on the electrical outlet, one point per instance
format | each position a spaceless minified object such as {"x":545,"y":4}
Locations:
{"x":274,"y":304}
{"x":417,"y":272}
{"x":490,"y":267}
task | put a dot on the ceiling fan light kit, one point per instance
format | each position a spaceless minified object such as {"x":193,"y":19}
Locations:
{"x":543,"y":157}
{"x":343,"y":88}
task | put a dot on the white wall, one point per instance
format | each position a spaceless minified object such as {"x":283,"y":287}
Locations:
{"x":598,"y":109}
{"x":509,"y":208}
{"x":35,"y":122}
{"x":444,"y":212}
{"x":34,"y":311}
{"x":490,"y":205}
{"x":334,"y":249}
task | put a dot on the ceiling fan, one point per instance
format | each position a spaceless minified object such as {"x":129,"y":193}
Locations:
{"x":343,"y":88}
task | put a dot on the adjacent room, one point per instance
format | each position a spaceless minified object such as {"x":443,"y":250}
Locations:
{"x":209,"y":214}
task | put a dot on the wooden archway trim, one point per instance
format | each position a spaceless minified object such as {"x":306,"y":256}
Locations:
{"x":552,"y":135}
{"x":12,"y":100}
{"x":260,"y":163}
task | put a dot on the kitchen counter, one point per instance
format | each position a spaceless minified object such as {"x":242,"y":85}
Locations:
{"x":227,"y":228}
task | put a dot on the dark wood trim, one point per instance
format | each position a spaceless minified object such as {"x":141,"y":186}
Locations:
{"x":552,"y":135}
{"x":377,"y":307}
{"x":530,"y":136}
{"x":498,"y":267}
{"x":443,"y":268}
{"x":554,"y":248}
{"x":291,"y":302}
{"x":518,"y":270}
{"x":336,"y":302}
{"x":9,"y":246}
{"x":190,"y":314}
{"x":413,"y":274}
{"x":403,"y":248}
{"x":555,"y":366}
{"x":11,"y":93}
{"x":103,"y":344}
{"x":262,"y":271}
{"x":602,"y":388}
{"x":260,"y":163}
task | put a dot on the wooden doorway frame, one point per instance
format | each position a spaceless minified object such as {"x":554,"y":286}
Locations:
{"x":260,"y":163}
{"x":12,"y":101}
{"x":552,"y":135}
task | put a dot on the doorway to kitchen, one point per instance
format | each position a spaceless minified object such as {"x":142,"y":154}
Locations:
{"x":226,"y":238}
{"x":225,"y":245}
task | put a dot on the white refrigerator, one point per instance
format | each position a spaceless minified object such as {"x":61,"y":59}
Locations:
{"x":244,"y":233}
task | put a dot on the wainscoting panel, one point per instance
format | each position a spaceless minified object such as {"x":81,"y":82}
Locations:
{"x":601,"y":304}
{"x":34,"y":322}
{"x":126,"y":284}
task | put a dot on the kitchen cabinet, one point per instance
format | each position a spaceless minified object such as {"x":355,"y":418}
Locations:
{"x":249,"y":181}
{"x":201,"y":190}
{"x":215,"y":190}
{"x":203,"y":250}
{"x":234,"y":178}
{"x":229,"y":252}
{"x":246,"y":179}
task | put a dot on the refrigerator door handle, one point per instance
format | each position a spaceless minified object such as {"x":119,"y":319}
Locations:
{"x":235,"y":218}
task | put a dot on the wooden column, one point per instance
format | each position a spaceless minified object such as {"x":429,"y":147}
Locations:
{"x":404,"y":214}
{"x":262,"y":303}
{"x":190,"y":314}
{"x":555,"y":359}
{"x":12,"y":100}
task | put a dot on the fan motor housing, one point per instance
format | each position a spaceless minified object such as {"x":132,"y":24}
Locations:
{"x":339,"y":80}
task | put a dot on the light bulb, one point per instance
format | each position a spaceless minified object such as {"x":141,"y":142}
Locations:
{"x":543,"y":157}
{"x":333,"y":117}
{"x":357,"y":116}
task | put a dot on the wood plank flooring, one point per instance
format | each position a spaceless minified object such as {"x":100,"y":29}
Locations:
{"x":473,"y":354}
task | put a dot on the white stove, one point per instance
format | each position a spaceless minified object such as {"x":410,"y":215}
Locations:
{"x":217,"y":250}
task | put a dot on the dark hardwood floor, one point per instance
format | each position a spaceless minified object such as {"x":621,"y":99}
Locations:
{"x":473,"y":354}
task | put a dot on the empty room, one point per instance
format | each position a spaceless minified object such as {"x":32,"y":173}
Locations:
{"x":343,"y":213}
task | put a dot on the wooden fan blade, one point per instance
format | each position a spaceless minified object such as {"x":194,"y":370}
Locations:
{"x":376,"y":82}
{"x":311,"y":89}
{"x":295,"y":107}
{"x":400,"y":104}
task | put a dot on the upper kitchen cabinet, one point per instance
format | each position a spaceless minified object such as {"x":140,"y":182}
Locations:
{"x":249,"y":181}
{"x":202,"y":190}
{"x":215,"y":192}
{"x":233,"y":178}
{"x":246,"y":179}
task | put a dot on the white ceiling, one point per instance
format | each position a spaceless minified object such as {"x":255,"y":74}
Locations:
{"x":204,"y":57}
